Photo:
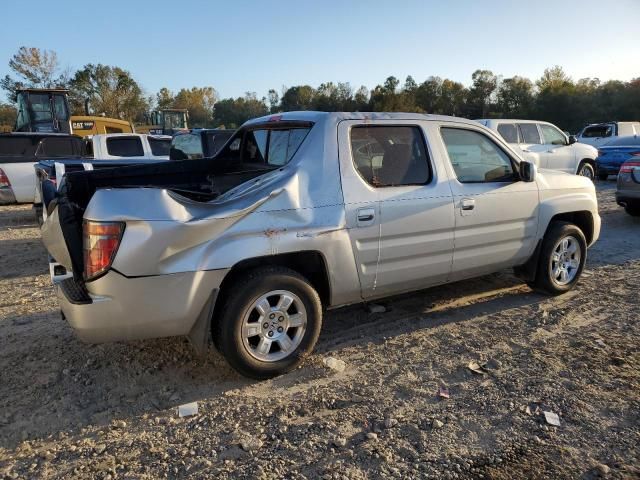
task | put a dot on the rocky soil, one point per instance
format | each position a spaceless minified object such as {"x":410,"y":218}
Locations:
{"x":450,"y":382}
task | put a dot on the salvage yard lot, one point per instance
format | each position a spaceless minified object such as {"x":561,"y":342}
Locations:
{"x":72,"y":410}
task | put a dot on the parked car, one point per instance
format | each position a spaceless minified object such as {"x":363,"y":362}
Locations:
{"x":628,"y":189}
{"x":198,"y":143}
{"x":546,"y":145}
{"x":305,"y":211}
{"x":612,"y":155}
{"x":598,"y":134}
{"x":19,"y":151}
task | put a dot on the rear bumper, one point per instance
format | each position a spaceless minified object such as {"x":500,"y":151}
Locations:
{"x":625,"y":197}
{"x":6,"y":196}
{"x":119,"y":308}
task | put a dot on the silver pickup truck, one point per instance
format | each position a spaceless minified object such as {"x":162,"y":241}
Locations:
{"x":302,"y":212}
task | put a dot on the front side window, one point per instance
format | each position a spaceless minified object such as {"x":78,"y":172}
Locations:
{"x":529,"y":133}
{"x":125,"y":147}
{"x":475,"y":158}
{"x":390,"y":156}
{"x":552,"y":136}
{"x":509,"y":132}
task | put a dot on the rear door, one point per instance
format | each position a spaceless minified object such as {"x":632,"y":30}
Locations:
{"x":496,"y":214}
{"x":531,"y":143}
{"x":399,"y":206}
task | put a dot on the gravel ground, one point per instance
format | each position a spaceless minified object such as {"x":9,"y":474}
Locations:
{"x":70,"y":410}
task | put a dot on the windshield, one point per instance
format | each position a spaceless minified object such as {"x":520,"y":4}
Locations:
{"x":175,"y":120}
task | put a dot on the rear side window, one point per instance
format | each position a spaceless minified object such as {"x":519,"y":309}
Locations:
{"x":274,"y":147}
{"x":159,"y":146}
{"x":476,"y":158}
{"x":509,"y":132}
{"x":125,"y":147}
{"x":56,"y":147}
{"x":598,"y":131}
{"x":529,"y":133}
{"x":390,"y":156}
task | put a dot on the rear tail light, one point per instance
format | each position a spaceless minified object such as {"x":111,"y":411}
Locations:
{"x":100,"y":241}
{"x":4,"y":180}
{"x":628,"y":167}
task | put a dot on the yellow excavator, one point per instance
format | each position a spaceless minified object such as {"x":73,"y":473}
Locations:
{"x":47,"y":110}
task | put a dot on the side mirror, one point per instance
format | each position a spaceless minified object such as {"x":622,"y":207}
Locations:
{"x":527,"y":171}
{"x":572,"y":139}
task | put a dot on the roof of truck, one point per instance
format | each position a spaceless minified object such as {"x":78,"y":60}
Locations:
{"x":313,"y":116}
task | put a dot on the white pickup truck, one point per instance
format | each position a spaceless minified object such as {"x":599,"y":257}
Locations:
{"x":20,"y":152}
{"x":305,"y":211}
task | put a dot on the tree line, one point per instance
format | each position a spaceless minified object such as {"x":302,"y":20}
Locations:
{"x":554,"y":97}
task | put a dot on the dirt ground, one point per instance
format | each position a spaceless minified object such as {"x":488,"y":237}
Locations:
{"x":70,"y":410}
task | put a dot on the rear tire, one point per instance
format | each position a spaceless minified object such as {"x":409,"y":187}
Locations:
{"x":268,"y":323}
{"x":562,"y":259}
{"x":603,"y":176}
{"x":586,"y":170}
{"x":633,"y":209}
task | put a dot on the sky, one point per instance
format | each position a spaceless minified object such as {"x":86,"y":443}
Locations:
{"x":251,"y":46}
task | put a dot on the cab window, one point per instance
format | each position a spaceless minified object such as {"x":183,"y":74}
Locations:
{"x":390,"y":156}
{"x":476,"y":158}
{"x":125,"y":147}
{"x":274,"y":147}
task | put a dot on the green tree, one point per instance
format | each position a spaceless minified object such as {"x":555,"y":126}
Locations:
{"x":232,"y":112}
{"x":165,"y":98}
{"x":7,"y":115}
{"x":35,"y":68}
{"x":515,"y":97}
{"x":111,"y":91}
{"x":200,"y":102}
{"x":484,"y":84}
{"x":300,"y":97}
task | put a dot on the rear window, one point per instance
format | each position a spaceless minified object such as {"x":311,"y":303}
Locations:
{"x":160,"y":146}
{"x":216,"y":140}
{"x":186,"y":146}
{"x":273,"y":147}
{"x":530,"y":134}
{"x":16,"y":146}
{"x":125,"y":147}
{"x":56,"y":147}
{"x":509,"y":132}
{"x":598,"y":131}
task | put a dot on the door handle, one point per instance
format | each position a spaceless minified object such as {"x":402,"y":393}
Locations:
{"x":366,"y":216}
{"x":467,"y":204}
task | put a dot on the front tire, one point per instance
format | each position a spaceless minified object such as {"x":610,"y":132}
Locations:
{"x":269,"y":323}
{"x":562,"y":259}
{"x":587,"y":170}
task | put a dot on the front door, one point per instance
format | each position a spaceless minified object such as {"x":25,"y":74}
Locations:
{"x":557,"y":152}
{"x":412,"y":209}
{"x":496,"y":213}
